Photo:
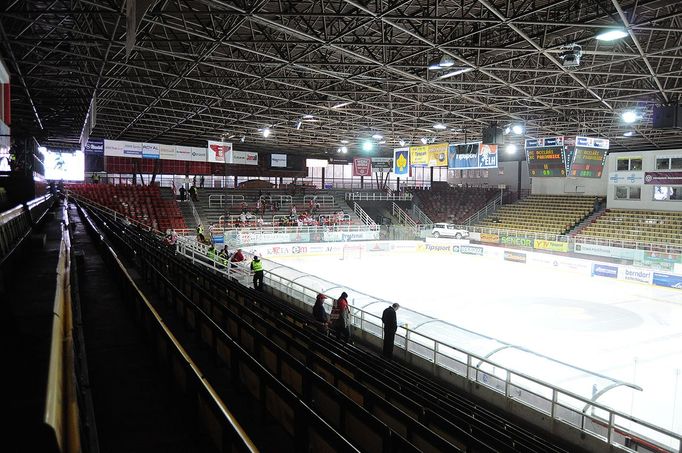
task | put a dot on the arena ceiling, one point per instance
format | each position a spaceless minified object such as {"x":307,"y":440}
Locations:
{"x":317,"y":72}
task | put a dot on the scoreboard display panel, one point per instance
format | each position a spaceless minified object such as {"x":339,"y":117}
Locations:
{"x":588,"y":162}
{"x":546,"y":161}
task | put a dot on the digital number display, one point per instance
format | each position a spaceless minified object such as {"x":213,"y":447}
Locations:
{"x":548,"y":161}
{"x":588,"y":162}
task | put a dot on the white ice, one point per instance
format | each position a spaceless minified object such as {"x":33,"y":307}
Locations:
{"x":628,"y":331}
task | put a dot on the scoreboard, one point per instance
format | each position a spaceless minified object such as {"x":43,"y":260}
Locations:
{"x":588,"y":162}
{"x":547,"y":161}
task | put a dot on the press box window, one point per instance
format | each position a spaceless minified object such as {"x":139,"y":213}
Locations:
{"x":629,"y":164}
{"x":668,"y":193}
{"x":628,"y":193}
{"x":669,"y":163}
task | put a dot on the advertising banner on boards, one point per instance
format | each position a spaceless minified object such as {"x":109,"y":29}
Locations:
{"x":244,"y":158}
{"x":603,"y":270}
{"x":554,"y":246}
{"x":668,"y":280}
{"x":167,"y":152}
{"x":626,"y":178}
{"x":94,"y":146}
{"x":516,"y":257}
{"x":150,"y":150}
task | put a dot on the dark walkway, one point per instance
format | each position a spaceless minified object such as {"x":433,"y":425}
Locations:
{"x":26,"y":310}
{"x":135,"y":406}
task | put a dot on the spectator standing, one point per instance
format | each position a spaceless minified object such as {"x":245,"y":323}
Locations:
{"x":182,"y":192}
{"x":341,"y":318}
{"x":390,"y":327}
{"x":320,"y":314}
{"x":257,"y":269}
{"x":201,"y":181}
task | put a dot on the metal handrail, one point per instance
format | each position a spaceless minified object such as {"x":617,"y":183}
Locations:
{"x":221,"y":198}
{"x":324,"y":200}
{"x":488,"y":209}
{"x":421,"y":216}
{"x":377,"y":196}
{"x":366,"y":219}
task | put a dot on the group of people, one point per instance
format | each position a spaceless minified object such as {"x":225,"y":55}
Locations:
{"x":339,"y":321}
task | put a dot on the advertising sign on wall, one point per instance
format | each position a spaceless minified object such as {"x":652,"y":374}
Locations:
{"x":150,"y":150}
{"x":489,"y":238}
{"x":382,"y":164}
{"x":438,"y":155}
{"x":167,"y":152}
{"x":604,"y":250}
{"x":218,"y":151}
{"x":244,"y":158}
{"x":516,"y":241}
{"x":401,"y":161}
{"x":197,"y":154}
{"x":516,"y":257}
{"x":626,"y":178}
{"x":94,"y":146}
{"x":663,"y":177}
{"x":362,"y":166}
{"x":183,"y":153}
{"x":278,"y":160}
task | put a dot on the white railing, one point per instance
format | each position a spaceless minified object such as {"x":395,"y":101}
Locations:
{"x":218,"y":200}
{"x":377,"y":196}
{"x":281,"y":200}
{"x":402,"y":216}
{"x":324,"y":200}
{"x":366,"y":219}
{"x":488,"y":209}
{"x":421,"y":216}
{"x":198,"y":253}
{"x":195,"y":214}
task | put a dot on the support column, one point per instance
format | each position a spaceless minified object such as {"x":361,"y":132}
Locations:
{"x":323,"y":174}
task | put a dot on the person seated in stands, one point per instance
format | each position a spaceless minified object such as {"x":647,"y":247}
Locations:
{"x":293,"y":210}
{"x":311,"y":204}
{"x":259,"y":203}
{"x":224,"y":253}
{"x":242,"y":218}
{"x":320,"y":314}
{"x":259,"y":222}
{"x":243,"y":207}
{"x":237,"y":257}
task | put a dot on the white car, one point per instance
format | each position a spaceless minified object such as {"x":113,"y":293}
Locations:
{"x":448,"y":230}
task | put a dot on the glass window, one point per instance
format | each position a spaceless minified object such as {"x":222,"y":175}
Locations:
{"x":662,"y":193}
{"x":676,"y":193}
{"x":635,"y":164}
{"x":623,"y":164}
{"x":676,"y":163}
{"x":621,"y":192}
{"x":662,"y":163}
{"x":635,"y":193}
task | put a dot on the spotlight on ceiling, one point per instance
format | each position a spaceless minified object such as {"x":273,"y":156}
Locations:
{"x":344,"y":142}
{"x":510,"y":148}
{"x":344,"y":149}
{"x":401,"y":142}
{"x":342,"y":104}
{"x":630,"y":116}
{"x":440,"y":126}
{"x":382,"y":142}
{"x":377,"y":136}
{"x":308,"y":117}
{"x":446,"y":61}
{"x":507,"y":130}
{"x":570,"y":55}
{"x":298,"y":125}
{"x":42,"y":149}
{"x":367,"y":146}
{"x":266,"y":132}
{"x":456,"y":72}
{"x":434,"y":65}
{"x":242,"y":139}
{"x":611,"y":34}
{"x":517,"y":129}
{"x":338,"y":150}
{"x":424,"y":140}
{"x":629,"y":134}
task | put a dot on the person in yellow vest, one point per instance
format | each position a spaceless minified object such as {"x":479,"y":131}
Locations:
{"x":257,"y":269}
{"x":211,"y":253}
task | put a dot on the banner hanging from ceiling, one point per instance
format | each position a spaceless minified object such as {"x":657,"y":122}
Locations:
{"x":401,"y":161}
{"x":219,"y":152}
{"x":362,"y":166}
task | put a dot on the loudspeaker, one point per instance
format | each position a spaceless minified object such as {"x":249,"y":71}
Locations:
{"x":492,"y":135}
{"x":667,"y":117}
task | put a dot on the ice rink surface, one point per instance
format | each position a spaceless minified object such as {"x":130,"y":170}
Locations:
{"x":628,"y":331}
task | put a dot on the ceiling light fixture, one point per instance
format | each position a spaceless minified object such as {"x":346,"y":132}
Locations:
{"x":456,"y":72}
{"x":440,"y":126}
{"x":510,"y":148}
{"x":344,"y":149}
{"x":446,"y":61}
{"x":343,"y":104}
{"x":298,"y":125}
{"x":434,"y":65}
{"x":242,"y":139}
{"x":377,"y":136}
{"x":308,"y":117}
{"x":507,"y":130}
{"x":629,"y":134}
{"x":611,"y":34}
{"x":266,"y":132}
{"x":424,"y":140}
{"x":517,"y":129}
{"x":401,"y":142}
{"x":344,"y":142}
{"x":367,"y":146}
{"x":630,"y":116}
{"x":42,"y":149}
{"x":383,"y":142}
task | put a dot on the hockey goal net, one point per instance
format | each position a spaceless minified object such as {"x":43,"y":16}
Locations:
{"x":351,"y":252}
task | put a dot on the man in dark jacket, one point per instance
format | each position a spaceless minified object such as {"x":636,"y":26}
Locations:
{"x":390,"y":326}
